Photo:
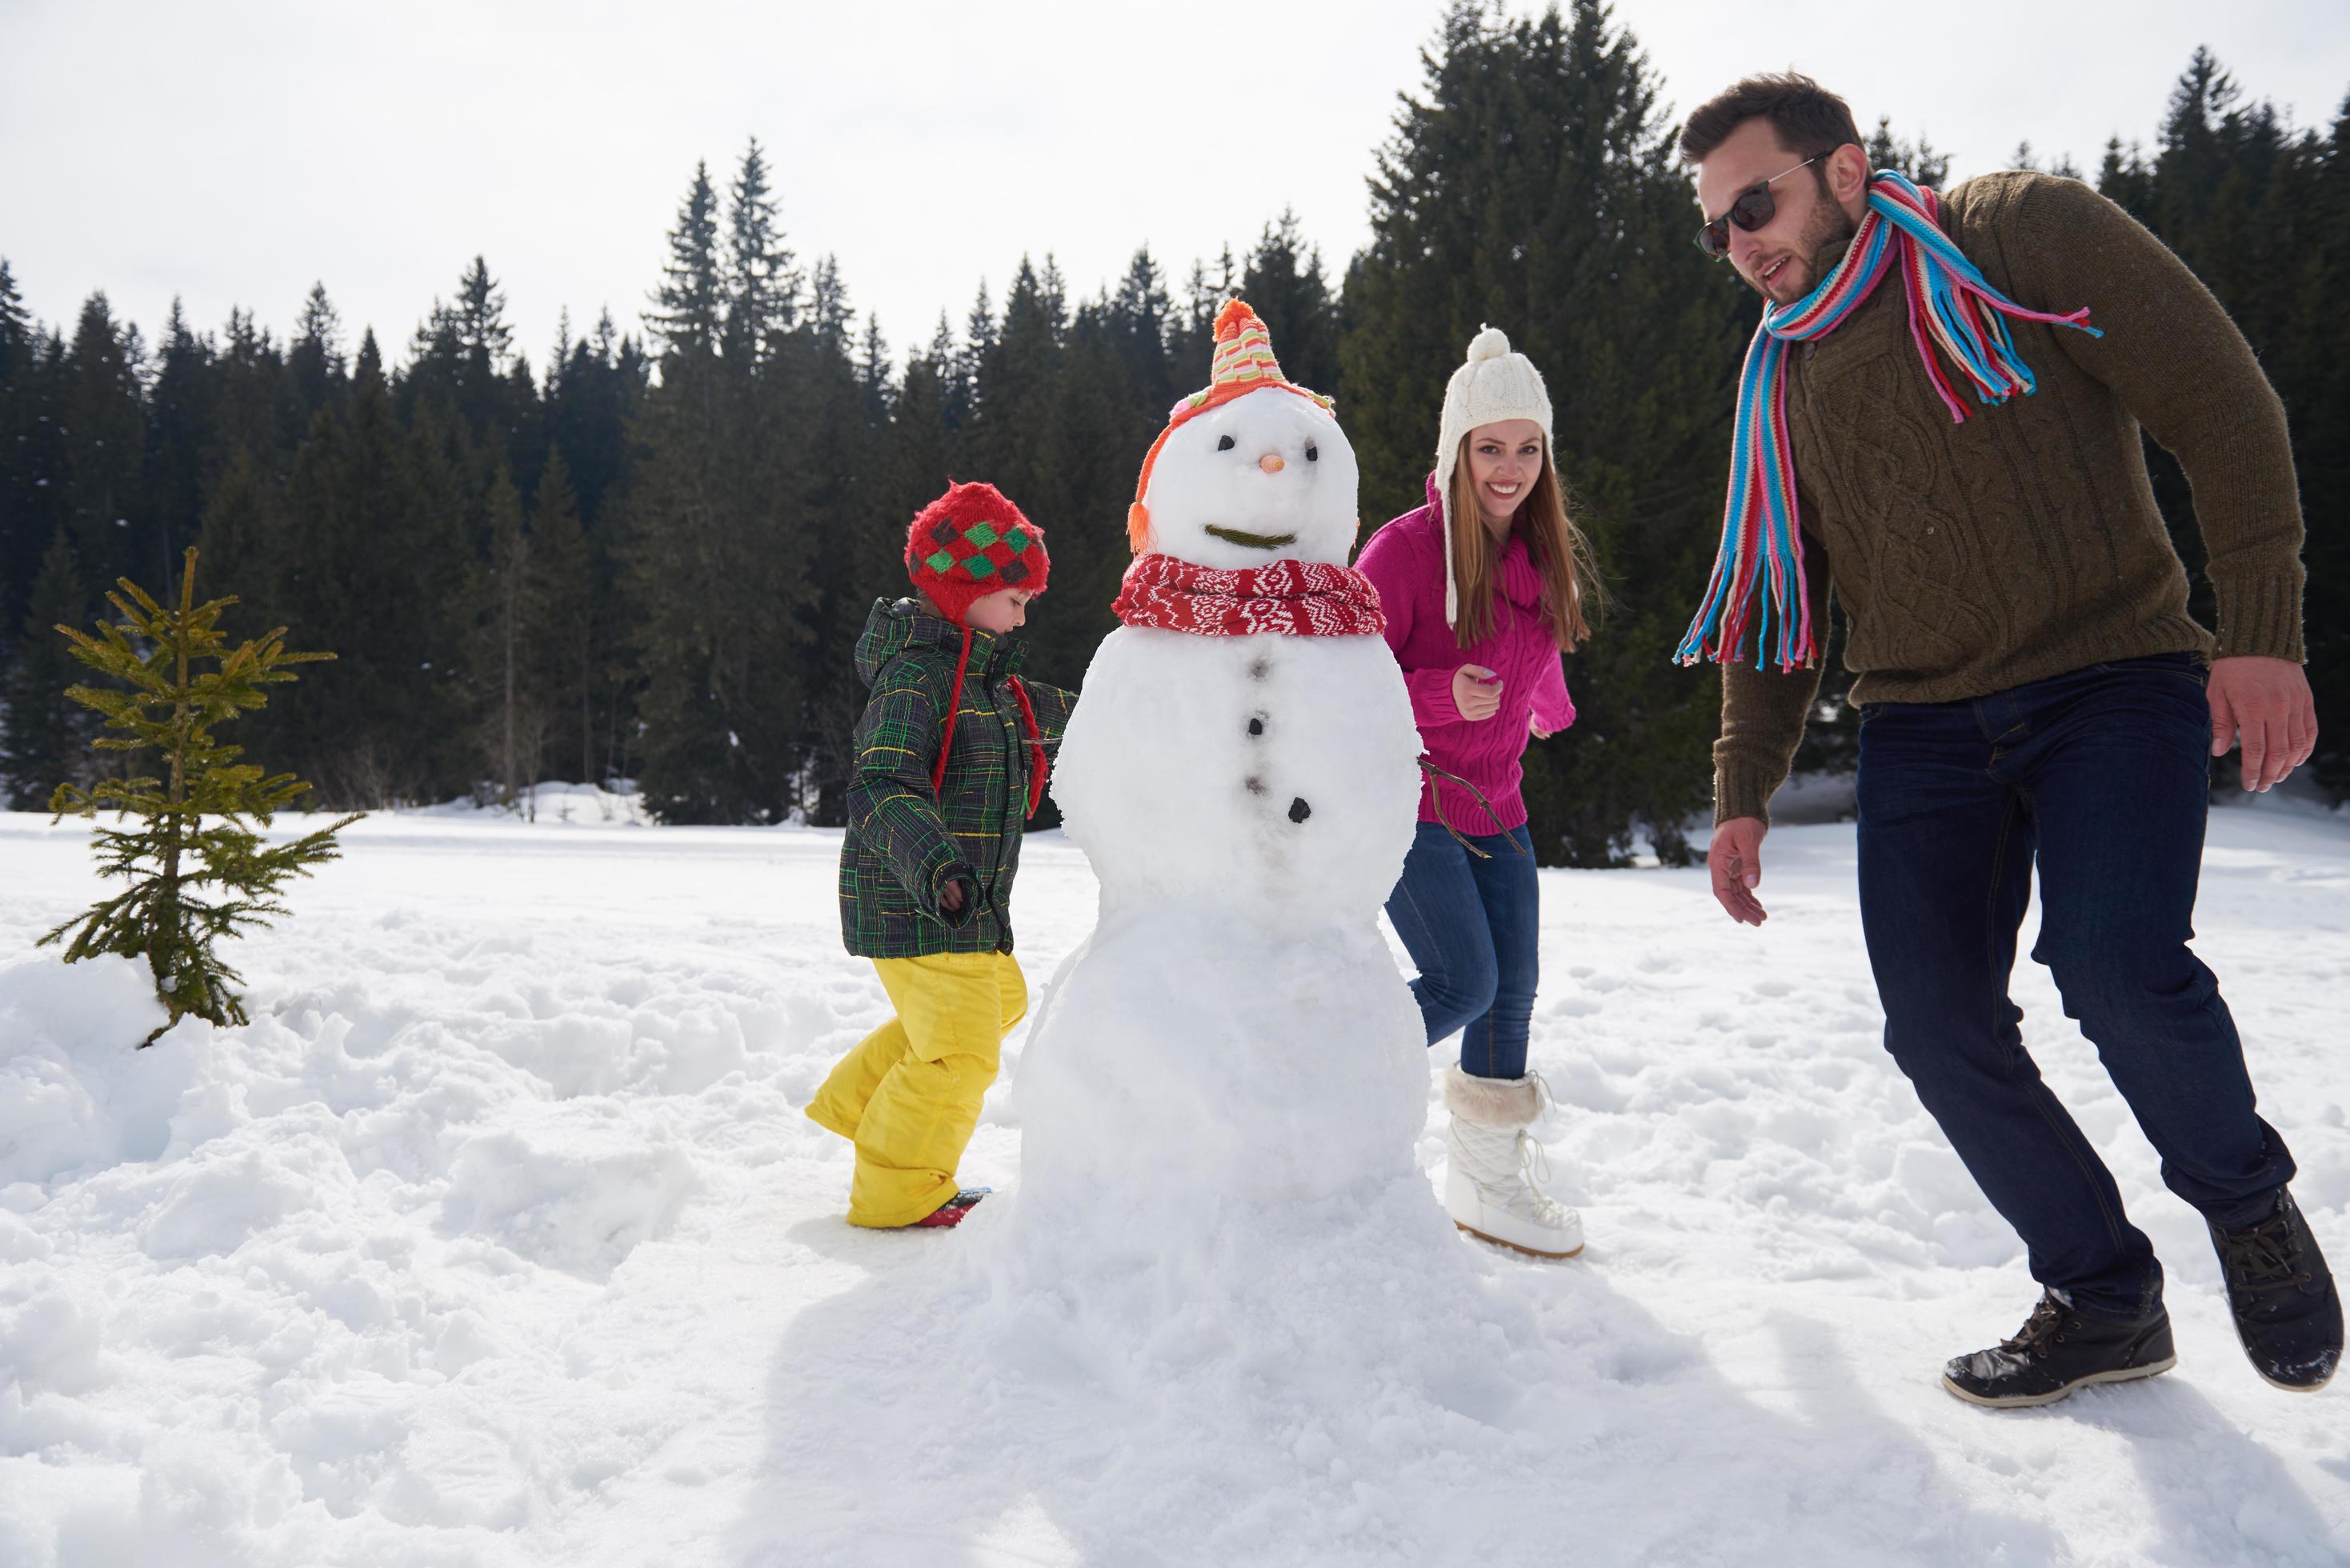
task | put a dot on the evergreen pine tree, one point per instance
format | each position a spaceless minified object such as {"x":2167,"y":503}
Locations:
{"x":1140,"y":318}
{"x":827,"y":405}
{"x":590,"y":407}
{"x":196,"y":871}
{"x":242,"y":536}
{"x":592,"y":427}
{"x":873,"y":373}
{"x":372,"y":555}
{"x":713,"y":562}
{"x":2125,"y":180}
{"x":479,"y":317}
{"x":22,"y":391}
{"x":16,"y":327}
{"x":183,"y":455}
{"x":46,"y":738}
{"x":2313,"y":373}
{"x":259,"y":406}
{"x":1918,"y":159}
{"x":977,"y":342}
{"x":480,"y":393}
{"x":761,"y":289}
{"x":317,"y":360}
{"x":1286,"y":286}
{"x":104,"y":422}
{"x":1192,"y":341}
{"x":510,"y":720}
{"x":563,"y":629}
{"x":690,"y":302}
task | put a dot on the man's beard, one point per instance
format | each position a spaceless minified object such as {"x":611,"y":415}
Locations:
{"x":1822,"y":245}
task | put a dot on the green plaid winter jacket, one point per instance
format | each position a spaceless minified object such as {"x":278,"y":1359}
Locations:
{"x":905,"y":844}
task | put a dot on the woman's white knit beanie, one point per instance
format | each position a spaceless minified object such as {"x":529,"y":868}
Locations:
{"x":1491,"y":385}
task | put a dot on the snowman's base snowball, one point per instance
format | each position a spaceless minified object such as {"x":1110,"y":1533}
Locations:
{"x":1186,"y":1060}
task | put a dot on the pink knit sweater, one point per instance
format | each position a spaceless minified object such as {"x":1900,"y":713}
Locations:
{"x":1405,"y":560}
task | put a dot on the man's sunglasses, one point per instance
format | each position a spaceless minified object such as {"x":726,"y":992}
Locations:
{"x":1752,"y":209}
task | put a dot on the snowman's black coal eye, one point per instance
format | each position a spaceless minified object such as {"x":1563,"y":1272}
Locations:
{"x":1224,"y":445}
{"x":1313,"y":453}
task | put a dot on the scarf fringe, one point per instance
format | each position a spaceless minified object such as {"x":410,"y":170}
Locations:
{"x":1756,"y":604}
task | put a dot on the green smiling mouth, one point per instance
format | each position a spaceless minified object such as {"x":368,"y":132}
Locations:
{"x":1254,"y":541}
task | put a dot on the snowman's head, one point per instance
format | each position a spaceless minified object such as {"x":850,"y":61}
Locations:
{"x":1264,"y":477}
{"x":1250,"y":471}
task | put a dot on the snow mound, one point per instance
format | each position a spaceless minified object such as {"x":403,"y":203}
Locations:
{"x":613,"y":803}
{"x":572,"y":1198}
{"x":74,"y":1095}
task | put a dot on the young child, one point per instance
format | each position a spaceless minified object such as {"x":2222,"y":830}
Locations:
{"x":951,"y":756}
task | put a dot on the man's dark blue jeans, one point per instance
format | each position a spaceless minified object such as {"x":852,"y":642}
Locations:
{"x":2099,"y":777}
{"x":1471,"y":927}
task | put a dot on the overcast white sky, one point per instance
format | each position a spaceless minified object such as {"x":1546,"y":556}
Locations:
{"x":232,"y":153}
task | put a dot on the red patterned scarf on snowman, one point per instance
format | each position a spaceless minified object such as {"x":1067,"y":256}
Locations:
{"x":1298,"y":598}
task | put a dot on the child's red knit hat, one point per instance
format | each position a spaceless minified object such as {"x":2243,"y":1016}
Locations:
{"x":973,"y":541}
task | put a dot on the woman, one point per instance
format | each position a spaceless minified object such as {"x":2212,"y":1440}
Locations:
{"x":1483,"y":587}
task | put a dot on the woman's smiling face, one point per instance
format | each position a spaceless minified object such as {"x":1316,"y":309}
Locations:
{"x":1505,"y":458}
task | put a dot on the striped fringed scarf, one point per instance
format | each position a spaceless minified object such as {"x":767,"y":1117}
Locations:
{"x":1950,"y":303}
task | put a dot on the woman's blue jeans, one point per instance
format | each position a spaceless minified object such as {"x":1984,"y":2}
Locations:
{"x":1471,"y":926}
{"x":2099,"y":778}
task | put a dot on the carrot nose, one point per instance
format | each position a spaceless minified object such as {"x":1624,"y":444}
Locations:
{"x":1271,"y":462}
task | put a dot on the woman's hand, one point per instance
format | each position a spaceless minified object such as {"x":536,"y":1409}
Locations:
{"x":1533,"y":728}
{"x":950,"y":897}
{"x":1476,"y":693}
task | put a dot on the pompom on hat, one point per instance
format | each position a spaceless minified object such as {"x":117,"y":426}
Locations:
{"x":1244,"y":364}
{"x":1491,"y":385}
{"x":970,"y":543}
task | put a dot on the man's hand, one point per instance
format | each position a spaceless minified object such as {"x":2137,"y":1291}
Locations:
{"x":1735,"y":859}
{"x":2267,"y":702}
{"x":1476,"y":693}
{"x":951,"y":896}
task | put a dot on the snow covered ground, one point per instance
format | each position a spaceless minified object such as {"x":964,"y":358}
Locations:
{"x":497,"y":1239}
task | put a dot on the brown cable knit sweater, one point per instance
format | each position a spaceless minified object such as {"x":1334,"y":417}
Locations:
{"x":2023,"y":543}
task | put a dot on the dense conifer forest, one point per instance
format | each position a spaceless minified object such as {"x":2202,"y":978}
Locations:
{"x":648,"y":558}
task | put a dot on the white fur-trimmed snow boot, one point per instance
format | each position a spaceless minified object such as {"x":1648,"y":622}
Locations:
{"x":1489,"y":1177}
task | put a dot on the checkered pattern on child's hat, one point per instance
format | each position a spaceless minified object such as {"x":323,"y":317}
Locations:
{"x":973,"y":541}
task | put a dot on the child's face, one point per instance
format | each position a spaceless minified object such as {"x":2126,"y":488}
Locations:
{"x":1005,"y":610}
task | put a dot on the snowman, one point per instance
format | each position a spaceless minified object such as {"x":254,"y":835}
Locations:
{"x":1242,"y":774}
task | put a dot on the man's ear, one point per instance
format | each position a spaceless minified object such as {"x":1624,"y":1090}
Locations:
{"x":1847,"y":169}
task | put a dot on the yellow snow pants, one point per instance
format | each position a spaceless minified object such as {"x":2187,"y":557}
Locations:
{"x":908,"y":1095}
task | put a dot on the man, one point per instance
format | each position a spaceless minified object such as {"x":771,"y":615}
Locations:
{"x":1965,"y":472}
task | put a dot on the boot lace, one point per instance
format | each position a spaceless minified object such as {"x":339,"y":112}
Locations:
{"x":2262,"y":1259}
{"x":1533,"y":1157}
{"x":1533,"y":1170}
{"x":2042,"y":1329}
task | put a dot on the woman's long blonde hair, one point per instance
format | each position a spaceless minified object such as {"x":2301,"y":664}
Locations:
{"x":1560,"y":552}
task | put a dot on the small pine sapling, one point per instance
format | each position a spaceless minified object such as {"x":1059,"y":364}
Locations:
{"x":196,"y":871}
